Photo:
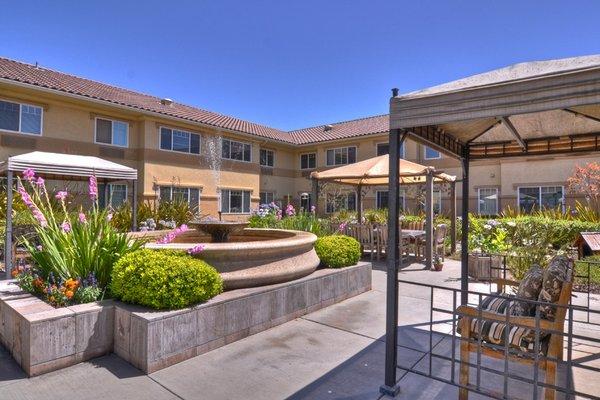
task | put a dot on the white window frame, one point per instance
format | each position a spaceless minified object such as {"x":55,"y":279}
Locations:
{"x":430,"y":158}
{"x":267,"y":193}
{"x":259,"y":157}
{"x":539,"y":188}
{"x":307,"y":161}
{"x":112,"y":120}
{"x":189,"y":192}
{"x":110,"y":193}
{"x":21,"y":117}
{"x":479,"y":199}
{"x":189,"y":141}
{"x":236,"y":141}
{"x":235,"y":190}
{"x":402,"y":148}
{"x":341,"y":148}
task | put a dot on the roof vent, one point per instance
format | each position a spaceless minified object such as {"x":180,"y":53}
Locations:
{"x":166,"y":101}
{"x":327,"y":128}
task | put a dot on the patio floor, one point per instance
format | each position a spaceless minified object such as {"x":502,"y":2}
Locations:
{"x":334,"y":353}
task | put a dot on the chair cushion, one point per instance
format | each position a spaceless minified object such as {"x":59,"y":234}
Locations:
{"x":554,"y":277}
{"x":529,"y":289}
{"x":494,"y":332}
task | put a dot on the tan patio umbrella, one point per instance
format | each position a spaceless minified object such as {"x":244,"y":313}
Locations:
{"x":375,"y":171}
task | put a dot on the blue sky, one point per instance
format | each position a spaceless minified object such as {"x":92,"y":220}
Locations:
{"x":291,"y":64}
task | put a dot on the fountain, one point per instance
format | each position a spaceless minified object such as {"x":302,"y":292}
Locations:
{"x":245,"y":257}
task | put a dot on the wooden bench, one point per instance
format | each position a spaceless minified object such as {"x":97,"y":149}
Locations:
{"x":555,"y":329}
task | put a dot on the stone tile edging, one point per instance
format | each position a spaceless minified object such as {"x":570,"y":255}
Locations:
{"x":42,"y":338}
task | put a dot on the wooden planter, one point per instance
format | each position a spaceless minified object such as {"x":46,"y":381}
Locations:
{"x":484,"y":267}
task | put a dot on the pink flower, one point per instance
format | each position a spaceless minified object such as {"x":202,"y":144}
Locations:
{"x":109,"y":216}
{"x":169,"y":237}
{"x":39,"y":247}
{"x":62,"y":195}
{"x":29,"y":174}
{"x":40,"y":181}
{"x":93,"y":188}
{"x":289,"y":210}
{"x":342,"y":226}
{"x":279,"y":214}
{"x":196,"y":249}
{"x":313,"y":209}
{"x":66,"y":227}
{"x":82,"y":218}
{"x":31,"y":205}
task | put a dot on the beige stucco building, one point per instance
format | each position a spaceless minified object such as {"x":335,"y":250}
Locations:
{"x":221,"y":163}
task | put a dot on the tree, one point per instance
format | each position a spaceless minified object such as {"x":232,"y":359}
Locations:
{"x":586,"y":180}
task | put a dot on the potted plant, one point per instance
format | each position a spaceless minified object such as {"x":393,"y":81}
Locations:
{"x":438,"y":264}
{"x":487,"y":242}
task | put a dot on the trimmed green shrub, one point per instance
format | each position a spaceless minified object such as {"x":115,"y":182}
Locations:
{"x":338,"y":251}
{"x":164,"y":279}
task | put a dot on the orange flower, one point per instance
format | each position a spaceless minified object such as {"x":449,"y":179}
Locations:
{"x":69,"y":294}
{"x":14,"y":273}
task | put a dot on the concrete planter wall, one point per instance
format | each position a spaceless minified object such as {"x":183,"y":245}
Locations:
{"x":42,"y":338}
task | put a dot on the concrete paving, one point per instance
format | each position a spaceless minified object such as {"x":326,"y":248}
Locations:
{"x":334,"y":353}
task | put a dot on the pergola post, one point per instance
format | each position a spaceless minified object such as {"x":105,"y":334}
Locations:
{"x":464,"y":242}
{"x":315,"y":194}
{"x":359,"y":204}
{"x":429,"y":220}
{"x":390,"y":386}
{"x":453,"y":217}
{"x":134,"y":207}
{"x":8,"y":239}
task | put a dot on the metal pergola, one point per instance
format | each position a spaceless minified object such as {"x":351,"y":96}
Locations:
{"x":525,"y":110}
{"x":61,"y":166}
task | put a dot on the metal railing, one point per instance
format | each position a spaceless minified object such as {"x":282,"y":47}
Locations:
{"x":575,"y":331}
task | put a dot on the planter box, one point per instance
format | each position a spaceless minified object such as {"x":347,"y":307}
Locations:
{"x":42,"y":338}
{"x":485,"y":267}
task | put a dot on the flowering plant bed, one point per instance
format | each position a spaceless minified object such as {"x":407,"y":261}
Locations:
{"x":73,"y":253}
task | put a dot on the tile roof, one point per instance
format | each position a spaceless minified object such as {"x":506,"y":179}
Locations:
{"x":342,"y":130}
{"x":17,"y":71}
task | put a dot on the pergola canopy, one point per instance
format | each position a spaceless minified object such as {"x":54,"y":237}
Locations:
{"x":375,"y":172}
{"x":68,"y":165}
{"x":538,"y":107}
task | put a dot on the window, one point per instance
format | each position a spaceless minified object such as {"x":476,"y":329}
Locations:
{"x":178,"y":193}
{"x":382,"y":199}
{"x":117,"y":194}
{"x":537,"y":197}
{"x":341,"y":202}
{"x":341,"y":156}
{"x":20,"y":118}
{"x":437,"y":201}
{"x":308,"y":161}
{"x":112,"y":132}
{"x":266,"y":157}
{"x":384,"y":148}
{"x":236,"y":150}
{"x":267,"y":197}
{"x":176,"y":140}
{"x":431,"y":154}
{"x":235,"y":201}
{"x":487,"y":201}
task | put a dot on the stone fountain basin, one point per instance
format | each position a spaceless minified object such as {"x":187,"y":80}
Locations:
{"x":253,"y":257}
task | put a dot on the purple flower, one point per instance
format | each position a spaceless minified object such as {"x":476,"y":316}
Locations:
{"x":196,"y":249}
{"x":82,"y":218}
{"x":66,"y":227}
{"x":109,"y":216}
{"x":342,"y":226}
{"x":289,"y":210}
{"x":39,"y":247}
{"x":62,"y":195}
{"x":313,"y":209}
{"x":29,"y":174}
{"x":93,"y":188}
{"x":279,"y":214}
{"x":40,"y":181}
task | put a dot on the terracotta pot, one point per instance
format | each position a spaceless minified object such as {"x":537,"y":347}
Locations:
{"x":438,"y":267}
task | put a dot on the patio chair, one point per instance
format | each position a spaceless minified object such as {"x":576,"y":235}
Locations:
{"x":555,"y":285}
{"x":365,"y":236}
{"x":439,"y":240}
